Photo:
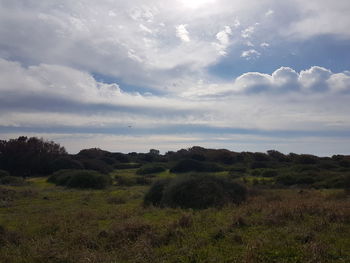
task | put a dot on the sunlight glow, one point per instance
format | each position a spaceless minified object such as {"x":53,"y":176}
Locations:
{"x":193,"y":4}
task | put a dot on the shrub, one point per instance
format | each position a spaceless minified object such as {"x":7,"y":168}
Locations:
{"x":4,"y":173}
{"x":132,"y":180}
{"x":286,"y":180}
{"x":258,"y":164}
{"x":195,"y":191}
{"x":12,"y":180}
{"x":190,"y":165}
{"x":65,"y":163}
{"x":127,"y":165}
{"x":150,"y":170}
{"x":154,"y":195}
{"x":241,"y":170}
{"x":269,"y":173}
{"x":97,"y":165}
{"x":80,"y":179}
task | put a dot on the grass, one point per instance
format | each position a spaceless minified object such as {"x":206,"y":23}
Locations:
{"x":43,"y":223}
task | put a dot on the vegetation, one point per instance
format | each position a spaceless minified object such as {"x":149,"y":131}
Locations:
{"x":80,"y":179}
{"x":150,"y":170}
{"x":192,"y":205}
{"x":195,"y":191}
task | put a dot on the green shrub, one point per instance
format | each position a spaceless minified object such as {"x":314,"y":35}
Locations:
{"x":4,"y":173}
{"x":150,"y":170}
{"x":190,"y":165}
{"x":195,"y":191}
{"x":80,"y":179}
{"x":12,"y":180}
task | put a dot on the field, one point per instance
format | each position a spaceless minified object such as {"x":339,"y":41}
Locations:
{"x":41,"y":222}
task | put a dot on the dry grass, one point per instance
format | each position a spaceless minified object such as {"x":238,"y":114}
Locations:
{"x":58,"y":225}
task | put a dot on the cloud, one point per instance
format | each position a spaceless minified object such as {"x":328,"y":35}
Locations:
{"x":315,"y":79}
{"x":270,"y":12}
{"x":56,"y":99}
{"x":251,"y":53}
{"x":264,"y":45}
{"x":182,"y":33}
{"x":248,"y":32}
{"x":285,"y":80}
{"x":224,"y":40}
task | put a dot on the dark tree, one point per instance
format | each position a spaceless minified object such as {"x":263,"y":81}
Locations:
{"x":29,"y":156}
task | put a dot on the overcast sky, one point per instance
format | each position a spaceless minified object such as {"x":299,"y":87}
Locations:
{"x":132,"y":75}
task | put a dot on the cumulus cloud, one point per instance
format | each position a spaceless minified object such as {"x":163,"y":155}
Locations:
{"x":285,"y":80}
{"x":315,"y":78}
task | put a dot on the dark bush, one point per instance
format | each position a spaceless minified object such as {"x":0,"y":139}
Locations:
{"x":97,"y":165}
{"x":240,"y":170}
{"x":195,"y":191}
{"x":306,"y":159}
{"x":127,"y":165}
{"x":150,"y":170}
{"x":306,"y":179}
{"x":190,"y":165}
{"x":4,"y":173}
{"x":154,"y":195}
{"x":80,"y":179}
{"x":63,"y":163}
{"x":269,"y":173}
{"x":344,"y":163}
{"x":12,"y":180}
{"x":286,"y":180}
{"x":126,"y":180}
{"x":257,"y":165}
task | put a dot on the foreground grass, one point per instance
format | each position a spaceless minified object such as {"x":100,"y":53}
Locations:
{"x":44,"y":223}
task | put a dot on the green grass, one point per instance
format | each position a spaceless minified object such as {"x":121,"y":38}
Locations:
{"x":45,"y":223}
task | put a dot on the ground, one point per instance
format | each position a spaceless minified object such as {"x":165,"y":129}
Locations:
{"x":40,"y":222}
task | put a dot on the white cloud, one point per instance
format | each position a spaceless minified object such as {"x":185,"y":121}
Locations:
{"x":47,"y":97}
{"x":224,"y":40}
{"x":264,"y":45}
{"x":251,"y":53}
{"x":339,"y":82}
{"x":315,"y":78}
{"x":248,"y":32}
{"x":182,"y":33}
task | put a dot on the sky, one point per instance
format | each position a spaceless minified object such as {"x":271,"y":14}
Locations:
{"x":133,"y":75}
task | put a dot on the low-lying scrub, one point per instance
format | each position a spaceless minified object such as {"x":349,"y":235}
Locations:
{"x":80,"y":179}
{"x":195,"y":191}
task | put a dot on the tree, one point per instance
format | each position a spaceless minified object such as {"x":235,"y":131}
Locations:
{"x":29,"y":156}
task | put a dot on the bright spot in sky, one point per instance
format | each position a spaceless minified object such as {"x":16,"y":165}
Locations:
{"x":195,"y":3}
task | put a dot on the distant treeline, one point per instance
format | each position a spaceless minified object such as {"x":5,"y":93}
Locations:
{"x":31,"y":157}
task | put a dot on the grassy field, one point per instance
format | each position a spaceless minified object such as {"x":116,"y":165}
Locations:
{"x":40,"y":222}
